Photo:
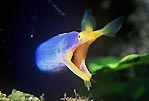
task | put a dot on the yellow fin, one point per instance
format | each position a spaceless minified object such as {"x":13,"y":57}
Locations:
{"x":112,"y":27}
{"x":87,"y":84}
{"x":88,"y":21}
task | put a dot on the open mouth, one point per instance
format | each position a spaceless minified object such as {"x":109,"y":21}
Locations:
{"x":78,"y":59}
{"x":79,"y":56}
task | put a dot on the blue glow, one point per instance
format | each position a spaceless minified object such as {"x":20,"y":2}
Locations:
{"x":48,"y":53}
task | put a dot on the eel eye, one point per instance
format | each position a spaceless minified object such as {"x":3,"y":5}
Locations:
{"x":79,"y":37}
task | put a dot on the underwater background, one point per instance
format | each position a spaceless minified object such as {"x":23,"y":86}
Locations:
{"x":24,"y":24}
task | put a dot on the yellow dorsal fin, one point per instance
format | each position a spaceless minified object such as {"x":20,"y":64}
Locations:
{"x":88,"y":21}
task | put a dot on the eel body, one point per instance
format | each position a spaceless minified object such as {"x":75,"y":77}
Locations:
{"x":70,"y":49}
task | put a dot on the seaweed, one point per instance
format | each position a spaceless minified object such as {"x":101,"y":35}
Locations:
{"x":114,"y":63}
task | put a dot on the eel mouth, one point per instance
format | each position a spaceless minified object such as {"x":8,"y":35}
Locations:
{"x":78,"y":59}
{"x":79,"y":56}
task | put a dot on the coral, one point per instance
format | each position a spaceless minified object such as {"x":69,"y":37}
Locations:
{"x":77,"y":97}
{"x":19,"y":96}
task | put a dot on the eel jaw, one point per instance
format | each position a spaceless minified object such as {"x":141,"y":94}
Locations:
{"x":78,"y":59}
{"x":74,"y":59}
